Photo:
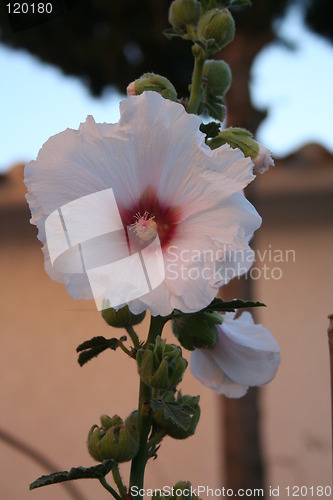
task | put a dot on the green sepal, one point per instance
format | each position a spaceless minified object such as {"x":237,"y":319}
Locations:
{"x":170,"y":33}
{"x":122,"y":318}
{"x":94,"y":472}
{"x":196,"y":330}
{"x":92,"y":348}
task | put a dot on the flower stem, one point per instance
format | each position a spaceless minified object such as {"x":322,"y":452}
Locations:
{"x":144,"y":415}
{"x":195,"y":95}
{"x":134,"y":337}
{"x":109,"y":488}
{"x":119,"y":482}
{"x":124,"y":349}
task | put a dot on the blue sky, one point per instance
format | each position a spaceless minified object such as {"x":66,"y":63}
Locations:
{"x":296,"y":87}
{"x":37,"y":100}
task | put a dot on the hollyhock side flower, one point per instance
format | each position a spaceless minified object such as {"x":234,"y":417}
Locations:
{"x":149,"y":177}
{"x":246,"y":355}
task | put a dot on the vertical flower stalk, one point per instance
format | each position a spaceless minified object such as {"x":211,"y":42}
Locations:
{"x":150,"y":214}
{"x":144,"y":414}
{"x":195,"y":95}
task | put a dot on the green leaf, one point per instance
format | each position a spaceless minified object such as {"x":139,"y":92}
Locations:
{"x":215,"y":107}
{"x":210,"y":129}
{"x":232,"y":305}
{"x":94,"y":472}
{"x":179,"y":415}
{"x":93,"y":347}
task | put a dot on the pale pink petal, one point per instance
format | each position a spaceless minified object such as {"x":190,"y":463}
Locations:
{"x":205,"y":369}
{"x":156,"y":148}
{"x":245,"y":355}
{"x":246,"y":352}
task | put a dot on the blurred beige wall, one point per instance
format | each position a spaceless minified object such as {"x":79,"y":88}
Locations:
{"x":296,"y":202}
{"x":49,"y":402}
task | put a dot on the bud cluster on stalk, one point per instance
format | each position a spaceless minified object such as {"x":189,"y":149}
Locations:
{"x":213,"y":29}
{"x":114,"y":439}
{"x":161,"y":365}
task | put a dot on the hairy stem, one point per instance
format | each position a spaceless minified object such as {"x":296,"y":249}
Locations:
{"x":195,"y":95}
{"x":144,"y":415}
{"x":119,"y":482}
{"x":134,"y":337}
{"x":109,"y":488}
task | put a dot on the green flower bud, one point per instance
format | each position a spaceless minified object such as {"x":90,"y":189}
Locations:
{"x":197,"y":330}
{"x":217,"y":25}
{"x":115,"y":439}
{"x":182,"y":490}
{"x":161,"y":365}
{"x":156,"y":83}
{"x":217,"y":77}
{"x":121,"y":318}
{"x":183,"y":13}
{"x":236,"y":138}
{"x":187,"y":402}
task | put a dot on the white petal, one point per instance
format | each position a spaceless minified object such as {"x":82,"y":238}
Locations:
{"x":236,"y":169}
{"x":155,"y":145}
{"x":205,"y":369}
{"x":246,"y":352}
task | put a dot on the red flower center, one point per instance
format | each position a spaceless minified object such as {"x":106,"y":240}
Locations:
{"x":149,"y":216}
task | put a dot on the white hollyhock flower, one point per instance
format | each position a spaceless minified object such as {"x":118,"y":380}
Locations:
{"x":166,"y":183}
{"x":245,"y":355}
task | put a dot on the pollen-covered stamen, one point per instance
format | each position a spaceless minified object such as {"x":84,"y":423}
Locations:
{"x":144,"y":226}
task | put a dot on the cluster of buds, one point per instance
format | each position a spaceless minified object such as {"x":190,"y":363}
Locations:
{"x":161,"y":365}
{"x":182,"y":490}
{"x":114,"y":439}
{"x":212,"y":29}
